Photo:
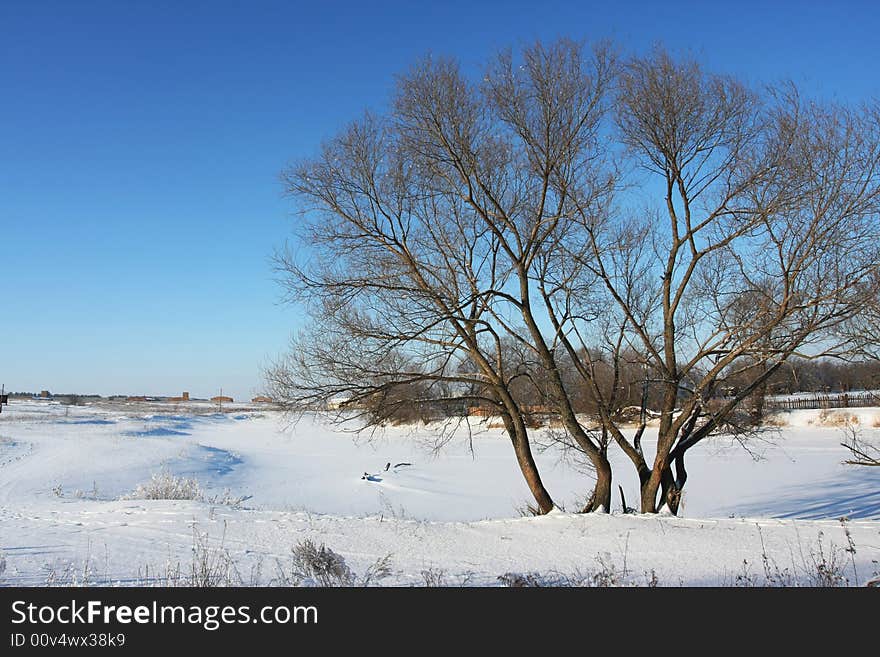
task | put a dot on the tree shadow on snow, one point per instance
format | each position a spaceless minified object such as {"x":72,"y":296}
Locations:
{"x":856,"y":496}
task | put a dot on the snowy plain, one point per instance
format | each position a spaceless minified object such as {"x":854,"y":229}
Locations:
{"x":67,"y":475}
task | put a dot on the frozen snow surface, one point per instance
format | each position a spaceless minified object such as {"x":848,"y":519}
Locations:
{"x":70,"y":477}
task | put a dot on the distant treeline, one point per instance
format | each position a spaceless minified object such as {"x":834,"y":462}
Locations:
{"x":72,"y":398}
{"x":802,"y":375}
{"x":55,"y":395}
{"x":634,"y":388}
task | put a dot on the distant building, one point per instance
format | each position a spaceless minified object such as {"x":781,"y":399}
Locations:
{"x":45,"y":394}
{"x":262,"y":400}
{"x":220,"y":399}
{"x":480,"y":411}
{"x":184,"y":397}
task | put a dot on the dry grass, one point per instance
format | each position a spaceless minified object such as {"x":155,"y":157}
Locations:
{"x":775,"y":420}
{"x":835,"y":418}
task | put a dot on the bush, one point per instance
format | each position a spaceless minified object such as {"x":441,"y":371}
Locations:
{"x":318,"y":565}
{"x":166,"y":486}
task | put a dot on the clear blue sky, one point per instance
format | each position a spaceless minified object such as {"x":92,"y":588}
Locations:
{"x":140,"y":146}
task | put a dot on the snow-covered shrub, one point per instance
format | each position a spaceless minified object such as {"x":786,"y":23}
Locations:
{"x":602,"y":578}
{"x":434,"y":577}
{"x":524,"y":580}
{"x":166,"y":486}
{"x":318,"y":565}
{"x":314,"y":565}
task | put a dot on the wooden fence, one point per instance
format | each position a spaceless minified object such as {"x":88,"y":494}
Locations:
{"x":843,"y":400}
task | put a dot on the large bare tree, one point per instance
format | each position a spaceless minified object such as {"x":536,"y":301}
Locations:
{"x":525,"y":237}
{"x":424,"y":231}
{"x":754,"y":238}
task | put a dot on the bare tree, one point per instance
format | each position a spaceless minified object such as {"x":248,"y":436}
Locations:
{"x":761,"y":244}
{"x":499,"y":242}
{"x":424,"y":231}
{"x":399,"y":282}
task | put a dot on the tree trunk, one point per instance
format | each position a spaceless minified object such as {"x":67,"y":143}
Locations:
{"x":668,"y":492}
{"x":673,"y":495}
{"x":519,"y":438}
{"x":601,"y":498}
{"x":649,"y":490}
{"x":673,"y":499}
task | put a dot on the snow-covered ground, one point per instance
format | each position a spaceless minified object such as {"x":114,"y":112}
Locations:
{"x":67,"y":475}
